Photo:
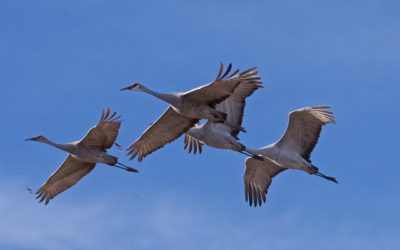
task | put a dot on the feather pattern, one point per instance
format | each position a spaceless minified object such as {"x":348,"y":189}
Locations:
{"x":220,"y":135}
{"x":304,"y":129}
{"x":257,"y":179}
{"x":234,"y":105}
{"x":191,"y":142}
{"x":220,"y":89}
{"x":88,"y":151}
{"x":165,"y":130}
{"x":186,"y":109}
{"x":67,"y":175}
{"x":104,"y":134}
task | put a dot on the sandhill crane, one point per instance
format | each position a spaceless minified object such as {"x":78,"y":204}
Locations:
{"x":186,"y":109}
{"x":83,"y":156}
{"x":292,"y":151}
{"x":219,"y":135}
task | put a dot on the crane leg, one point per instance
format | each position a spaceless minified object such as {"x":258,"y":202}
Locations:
{"x":251,"y":155}
{"x":315,"y":171}
{"x":245,"y":153}
{"x":124,"y":167}
{"x":329,"y":178}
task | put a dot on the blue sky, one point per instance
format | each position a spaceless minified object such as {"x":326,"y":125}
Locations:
{"x":63,"y":61}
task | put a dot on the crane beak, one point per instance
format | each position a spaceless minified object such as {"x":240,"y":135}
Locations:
{"x":126,"y":88}
{"x":31,"y":139}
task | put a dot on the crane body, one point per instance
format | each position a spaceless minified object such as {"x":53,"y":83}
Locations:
{"x":83,"y":156}
{"x":187,"y":108}
{"x":292,"y":151}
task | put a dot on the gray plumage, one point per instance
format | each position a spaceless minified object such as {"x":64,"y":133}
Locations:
{"x":83,"y":156}
{"x":186,"y":109}
{"x":292,"y":151}
{"x":220,"y":135}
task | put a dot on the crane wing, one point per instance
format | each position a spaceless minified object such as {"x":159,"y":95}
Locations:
{"x":257,"y":179}
{"x":304,"y":129}
{"x":193,"y":143}
{"x":165,"y":130}
{"x":104,"y":134}
{"x":234,"y":105}
{"x":221,"y":88}
{"x":69,"y":173}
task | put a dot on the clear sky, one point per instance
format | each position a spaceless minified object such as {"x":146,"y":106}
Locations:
{"x":63,"y":61}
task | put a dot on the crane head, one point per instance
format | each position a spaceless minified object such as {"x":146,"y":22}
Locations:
{"x":133,"y":86}
{"x":39,"y":138}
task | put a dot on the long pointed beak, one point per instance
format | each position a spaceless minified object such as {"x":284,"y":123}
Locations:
{"x":126,"y":88}
{"x":30,"y":139}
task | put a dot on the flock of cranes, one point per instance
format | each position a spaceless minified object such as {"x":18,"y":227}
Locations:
{"x":222,"y":104}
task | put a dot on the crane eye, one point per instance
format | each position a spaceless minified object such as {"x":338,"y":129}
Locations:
{"x":135,"y":85}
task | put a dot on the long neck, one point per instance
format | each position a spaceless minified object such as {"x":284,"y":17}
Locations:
{"x":65,"y":147}
{"x":169,"y":98}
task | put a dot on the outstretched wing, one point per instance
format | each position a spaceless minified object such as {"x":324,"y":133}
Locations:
{"x":165,"y":130}
{"x":193,"y":143}
{"x":69,"y":173}
{"x":257,"y":179}
{"x":234,"y":105}
{"x":220,"y":89}
{"x":104,"y":134}
{"x":304,"y":129}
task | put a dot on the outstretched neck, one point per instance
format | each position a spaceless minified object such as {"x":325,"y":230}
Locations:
{"x":169,"y":98}
{"x":65,"y":147}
